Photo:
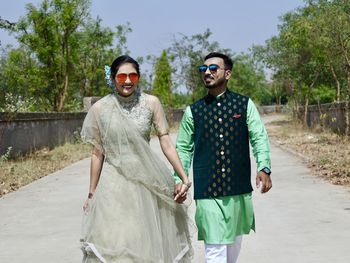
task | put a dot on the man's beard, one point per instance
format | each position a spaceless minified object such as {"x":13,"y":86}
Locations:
{"x":211,"y":86}
{"x":218,"y":83}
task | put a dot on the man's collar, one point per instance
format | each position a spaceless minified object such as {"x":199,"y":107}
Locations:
{"x":209,"y":98}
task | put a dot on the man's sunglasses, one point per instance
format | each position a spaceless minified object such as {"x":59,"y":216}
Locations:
{"x":123,"y":76}
{"x":213,"y":68}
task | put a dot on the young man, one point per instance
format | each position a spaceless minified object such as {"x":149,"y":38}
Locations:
{"x":216,"y":131}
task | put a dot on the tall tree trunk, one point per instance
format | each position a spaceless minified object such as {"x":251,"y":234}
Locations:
{"x":347,"y":105}
{"x":337,"y":83}
{"x":296,"y":109}
{"x":279,"y":100}
{"x":347,"y":93}
{"x":63,"y":94}
{"x":306,"y":110}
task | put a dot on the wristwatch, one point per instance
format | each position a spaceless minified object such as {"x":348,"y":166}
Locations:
{"x":266,"y":170}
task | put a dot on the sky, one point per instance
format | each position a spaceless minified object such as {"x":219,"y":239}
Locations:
{"x":235,"y":24}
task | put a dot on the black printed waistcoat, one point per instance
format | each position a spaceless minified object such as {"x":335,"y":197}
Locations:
{"x":221,"y":162}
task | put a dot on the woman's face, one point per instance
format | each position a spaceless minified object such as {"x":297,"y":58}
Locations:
{"x":126,"y":79}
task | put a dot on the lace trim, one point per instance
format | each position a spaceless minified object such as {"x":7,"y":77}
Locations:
{"x":129,"y":101}
{"x":182,"y":253}
{"x":89,"y":247}
{"x":136,"y":108}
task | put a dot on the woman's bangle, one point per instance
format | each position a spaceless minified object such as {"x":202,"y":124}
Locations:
{"x":188,"y":184}
{"x":90,"y":195}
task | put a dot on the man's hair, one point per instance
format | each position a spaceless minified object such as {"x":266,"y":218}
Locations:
{"x":227,"y":61}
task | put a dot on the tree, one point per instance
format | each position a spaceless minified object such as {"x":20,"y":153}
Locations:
{"x":61,"y":56}
{"x":248,"y":79}
{"x":50,"y":32}
{"x":162,"y":84}
{"x":22,"y":79}
{"x":312,"y":51}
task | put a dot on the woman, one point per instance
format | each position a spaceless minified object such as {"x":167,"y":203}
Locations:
{"x":130,"y":213}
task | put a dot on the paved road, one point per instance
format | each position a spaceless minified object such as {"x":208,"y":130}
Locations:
{"x":302,"y":219}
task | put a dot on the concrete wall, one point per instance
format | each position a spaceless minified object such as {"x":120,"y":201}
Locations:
{"x":330,"y":116}
{"x":267,"y":109}
{"x":25,"y":132}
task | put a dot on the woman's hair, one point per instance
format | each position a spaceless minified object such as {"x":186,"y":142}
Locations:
{"x":122,"y":60}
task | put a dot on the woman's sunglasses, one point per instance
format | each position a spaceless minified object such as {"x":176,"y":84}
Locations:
{"x":213,"y":68}
{"x":123,"y":76}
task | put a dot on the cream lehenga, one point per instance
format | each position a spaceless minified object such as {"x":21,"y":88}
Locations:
{"x":132,"y":216}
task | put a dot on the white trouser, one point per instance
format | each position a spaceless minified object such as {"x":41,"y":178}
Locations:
{"x":223,"y":253}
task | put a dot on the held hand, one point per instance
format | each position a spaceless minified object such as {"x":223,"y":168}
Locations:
{"x":265,"y":180}
{"x":86,"y":205}
{"x":180,"y":193}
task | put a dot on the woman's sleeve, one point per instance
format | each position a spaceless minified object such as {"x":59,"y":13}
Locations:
{"x":91,"y":129}
{"x":159,"y":119}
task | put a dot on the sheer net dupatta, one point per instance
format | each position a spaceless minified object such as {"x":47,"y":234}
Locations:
{"x":132,"y":215}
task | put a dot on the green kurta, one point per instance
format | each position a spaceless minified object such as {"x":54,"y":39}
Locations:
{"x":220,"y":220}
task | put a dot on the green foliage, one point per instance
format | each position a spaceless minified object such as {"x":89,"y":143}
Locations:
{"x":162,"y":84}
{"x":50,"y":32}
{"x":248,"y":79}
{"x":322,"y":94}
{"x":16,"y":103}
{"x":181,"y":100}
{"x":312,"y":52}
{"x":92,"y":57}
{"x":62,"y":52}
{"x":61,"y":56}
{"x":6,"y":155}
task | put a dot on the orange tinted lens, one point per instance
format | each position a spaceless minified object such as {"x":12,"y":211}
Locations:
{"x":133,"y":77}
{"x":121,"y":77}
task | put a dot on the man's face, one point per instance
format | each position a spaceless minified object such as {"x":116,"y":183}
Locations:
{"x":217,"y":76}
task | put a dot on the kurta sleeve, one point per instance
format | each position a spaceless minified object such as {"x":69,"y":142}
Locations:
{"x":91,"y":129}
{"x":159,"y":119}
{"x":185,"y":142}
{"x":258,"y":137}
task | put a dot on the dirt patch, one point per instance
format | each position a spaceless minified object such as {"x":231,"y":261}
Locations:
{"x":326,"y":153}
{"x":24,"y":170}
